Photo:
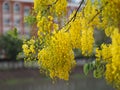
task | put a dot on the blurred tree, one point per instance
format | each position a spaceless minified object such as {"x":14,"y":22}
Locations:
{"x":11,"y":44}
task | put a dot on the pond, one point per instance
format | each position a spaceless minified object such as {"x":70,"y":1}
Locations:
{"x":76,"y":82}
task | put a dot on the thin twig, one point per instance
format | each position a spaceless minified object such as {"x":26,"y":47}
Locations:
{"x":48,"y":6}
{"x":95,"y":16}
{"x":74,"y":16}
{"x":97,"y":13}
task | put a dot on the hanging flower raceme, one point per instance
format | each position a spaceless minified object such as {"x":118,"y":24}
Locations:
{"x":87,"y":41}
{"x":110,"y":15}
{"x":75,"y":34}
{"x":53,"y":47}
{"x":58,"y":58}
{"x":112,"y":73}
{"x":110,"y":54}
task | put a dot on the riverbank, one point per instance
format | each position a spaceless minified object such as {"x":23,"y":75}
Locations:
{"x":31,"y":79}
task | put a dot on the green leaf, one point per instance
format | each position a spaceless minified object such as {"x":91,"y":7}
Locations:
{"x":99,"y":69}
{"x":97,"y":74}
{"x":86,"y":69}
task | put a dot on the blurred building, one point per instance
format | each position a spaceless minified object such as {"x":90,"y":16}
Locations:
{"x":12,"y":13}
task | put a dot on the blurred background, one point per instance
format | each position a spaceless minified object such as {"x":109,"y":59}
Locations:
{"x":17,"y":75}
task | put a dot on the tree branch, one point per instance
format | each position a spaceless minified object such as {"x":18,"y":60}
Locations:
{"x":74,"y":16}
{"x":97,"y":13}
{"x":48,"y":6}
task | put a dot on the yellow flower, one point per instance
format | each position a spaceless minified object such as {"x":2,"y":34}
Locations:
{"x":25,"y":49}
{"x":58,"y":58}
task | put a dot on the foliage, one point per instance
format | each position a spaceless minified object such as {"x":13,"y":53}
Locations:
{"x":11,"y":44}
{"x":57,"y":37}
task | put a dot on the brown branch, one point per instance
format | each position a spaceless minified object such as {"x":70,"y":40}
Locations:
{"x":74,"y":16}
{"x":95,"y":16}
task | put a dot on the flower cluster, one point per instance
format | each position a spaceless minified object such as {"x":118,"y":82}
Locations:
{"x":29,"y":49}
{"x":57,"y":7}
{"x":110,"y":54}
{"x":82,"y":28}
{"x":112,"y":73}
{"x":110,"y":15}
{"x":53,"y":47}
{"x":58,"y":58}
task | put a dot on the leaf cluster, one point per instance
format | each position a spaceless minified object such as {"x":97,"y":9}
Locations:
{"x":97,"y":67}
